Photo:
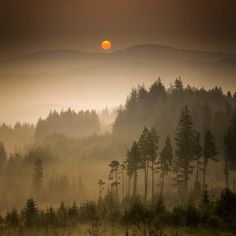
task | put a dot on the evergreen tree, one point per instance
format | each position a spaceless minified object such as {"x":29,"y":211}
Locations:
{"x":114,"y":165}
{"x":101,"y":183}
{"x":166,"y":157}
{"x":73,"y":213}
{"x":122,"y":172}
{"x":232,"y":146}
{"x":187,"y":150}
{"x":133,"y":165}
{"x":157,"y":91}
{"x":227,"y":152}
{"x":178,"y":85}
{"x":62,"y":215}
{"x":209,"y":152}
{"x":144,"y":148}
{"x":153,"y":152}
{"x":3,"y":155}
{"x":12,"y":218}
{"x":50,"y":217}
{"x":30,"y":213}
{"x":230,"y":149}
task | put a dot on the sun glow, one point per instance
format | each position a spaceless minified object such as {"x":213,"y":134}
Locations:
{"x":106,"y":45}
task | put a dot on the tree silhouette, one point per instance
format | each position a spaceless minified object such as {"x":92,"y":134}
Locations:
{"x":3,"y":155}
{"x":166,"y":157}
{"x":12,"y":218}
{"x":101,"y":188}
{"x":114,"y":165}
{"x":154,"y":141}
{"x":187,"y":150}
{"x":122,"y":172}
{"x":30,"y":213}
{"x":133,"y":165}
{"x":144,"y":149}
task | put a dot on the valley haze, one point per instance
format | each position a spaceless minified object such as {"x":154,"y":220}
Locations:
{"x":35,"y":83}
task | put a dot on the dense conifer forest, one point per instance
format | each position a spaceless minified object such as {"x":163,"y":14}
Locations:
{"x":165,"y":166}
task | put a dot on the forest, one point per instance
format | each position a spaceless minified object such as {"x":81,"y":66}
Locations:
{"x":163,"y":163}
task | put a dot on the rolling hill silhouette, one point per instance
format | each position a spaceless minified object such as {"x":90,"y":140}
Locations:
{"x":94,"y":80}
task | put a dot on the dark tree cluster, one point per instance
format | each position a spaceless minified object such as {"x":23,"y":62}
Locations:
{"x":174,"y":172}
{"x":16,"y":136}
{"x":159,"y":107}
{"x":150,"y":218}
{"x":69,"y":123}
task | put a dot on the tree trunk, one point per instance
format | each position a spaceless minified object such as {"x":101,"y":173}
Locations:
{"x":226,"y":171}
{"x":116,"y":186}
{"x":153,"y":180}
{"x":162,"y":184}
{"x":123,"y":186}
{"x":129,"y":183}
{"x":135,"y":184}
{"x":186,"y":179}
{"x":204,"y":173}
{"x":169,"y":182}
{"x":145,"y":180}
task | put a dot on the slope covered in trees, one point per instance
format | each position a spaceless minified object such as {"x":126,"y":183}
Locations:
{"x":159,"y":107}
{"x":69,"y":123}
{"x":154,"y":170}
{"x":17,"y":136}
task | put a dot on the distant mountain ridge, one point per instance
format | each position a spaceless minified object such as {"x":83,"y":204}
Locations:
{"x":94,"y":80}
{"x":145,"y":50}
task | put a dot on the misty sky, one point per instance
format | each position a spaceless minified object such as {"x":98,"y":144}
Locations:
{"x":33,"y":87}
{"x":29,"y":25}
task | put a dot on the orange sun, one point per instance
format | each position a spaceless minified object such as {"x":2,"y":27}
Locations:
{"x":106,"y":45}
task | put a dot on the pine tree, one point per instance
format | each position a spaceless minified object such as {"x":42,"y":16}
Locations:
{"x":153,"y":152}
{"x":62,"y":214}
{"x":133,"y":165}
{"x":50,"y":217}
{"x":209,"y":152}
{"x":30,"y":213}
{"x":101,"y":183}
{"x":227,"y":151}
{"x":144,"y":148}
{"x":73,"y":213}
{"x":230,"y":149}
{"x":122,"y":172}
{"x":114,"y":171}
{"x":166,"y":157}
{"x":3,"y":155}
{"x":12,"y":218}
{"x":187,"y":150}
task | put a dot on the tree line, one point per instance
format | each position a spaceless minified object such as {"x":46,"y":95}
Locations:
{"x":69,"y":123}
{"x":133,"y":217}
{"x":158,"y":107}
{"x":179,"y":169}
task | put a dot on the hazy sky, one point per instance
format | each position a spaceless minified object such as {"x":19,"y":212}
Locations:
{"x":28,"y":25}
{"x":31,"y":88}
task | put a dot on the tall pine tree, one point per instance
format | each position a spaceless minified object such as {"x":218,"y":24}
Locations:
{"x":133,"y":165}
{"x":144,"y":149}
{"x":166,"y":157}
{"x":187,"y":150}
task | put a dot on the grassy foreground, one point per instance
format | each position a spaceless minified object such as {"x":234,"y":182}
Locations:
{"x":86,"y":230}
